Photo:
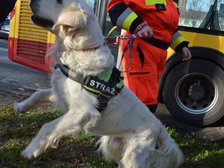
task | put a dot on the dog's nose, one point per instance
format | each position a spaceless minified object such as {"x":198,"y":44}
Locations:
{"x":35,"y":6}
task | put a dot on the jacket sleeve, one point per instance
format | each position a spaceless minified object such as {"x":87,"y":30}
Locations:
{"x":178,"y":42}
{"x":122,"y":16}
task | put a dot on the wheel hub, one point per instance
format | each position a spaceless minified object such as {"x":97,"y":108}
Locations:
{"x":196,"y":91}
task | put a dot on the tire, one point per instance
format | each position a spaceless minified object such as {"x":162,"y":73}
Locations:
{"x":194,"y":92}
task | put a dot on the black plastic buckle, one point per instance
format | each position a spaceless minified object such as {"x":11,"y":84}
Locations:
{"x":160,"y":7}
{"x":103,"y":101}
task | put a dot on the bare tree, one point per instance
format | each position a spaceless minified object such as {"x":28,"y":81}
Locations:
{"x":193,"y":11}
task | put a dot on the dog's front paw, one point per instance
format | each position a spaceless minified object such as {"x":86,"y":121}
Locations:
{"x":30,"y":153}
{"x":19,"y":107}
{"x":34,"y":149}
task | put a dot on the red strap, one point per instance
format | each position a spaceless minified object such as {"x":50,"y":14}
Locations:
{"x":117,"y":39}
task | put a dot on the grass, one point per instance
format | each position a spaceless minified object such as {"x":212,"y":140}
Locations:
{"x":17,"y":130}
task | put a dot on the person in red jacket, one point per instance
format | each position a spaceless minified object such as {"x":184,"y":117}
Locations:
{"x":159,"y":19}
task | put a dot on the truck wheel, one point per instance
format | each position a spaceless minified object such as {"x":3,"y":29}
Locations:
{"x":194,"y":92}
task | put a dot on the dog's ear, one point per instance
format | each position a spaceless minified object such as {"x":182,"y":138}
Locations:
{"x":70,"y":20}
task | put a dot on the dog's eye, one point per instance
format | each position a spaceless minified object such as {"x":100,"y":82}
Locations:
{"x":60,"y":1}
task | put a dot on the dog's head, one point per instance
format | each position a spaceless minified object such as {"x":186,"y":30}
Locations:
{"x":73,"y":21}
{"x":61,"y":16}
{"x":77,"y":29}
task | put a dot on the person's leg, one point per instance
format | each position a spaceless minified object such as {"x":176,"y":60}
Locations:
{"x":142,"y":77}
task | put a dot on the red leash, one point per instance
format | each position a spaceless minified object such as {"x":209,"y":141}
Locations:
{"x":129,"y":45}
{"x":117,"y":39}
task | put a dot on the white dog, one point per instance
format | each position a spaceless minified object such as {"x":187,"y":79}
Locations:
{"x":131,"y":135}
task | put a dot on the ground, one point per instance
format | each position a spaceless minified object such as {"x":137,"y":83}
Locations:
{"x":214,"y":133}
{"x":80,"y":152}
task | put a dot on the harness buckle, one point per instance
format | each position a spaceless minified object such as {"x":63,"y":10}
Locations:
{"x":160,"y":7}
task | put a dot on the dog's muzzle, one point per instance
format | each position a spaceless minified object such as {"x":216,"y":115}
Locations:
{"x":45,"y":23}
{"x":35,"y":7}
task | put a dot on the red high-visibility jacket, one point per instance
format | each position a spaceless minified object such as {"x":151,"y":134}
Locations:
{"x":143,"y":69}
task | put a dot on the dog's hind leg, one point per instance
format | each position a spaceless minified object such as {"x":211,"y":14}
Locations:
{"x":139,"y":148}
{"x":70,"y":123}
{"x":39,"y":97}
{"x":168,"y":152}
{"x":112,"y":148}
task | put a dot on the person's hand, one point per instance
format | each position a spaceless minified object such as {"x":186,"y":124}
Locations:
{"x":186,"y":54}
{"x":144,"y":28}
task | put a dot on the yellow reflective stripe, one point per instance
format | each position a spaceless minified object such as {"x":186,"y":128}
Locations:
{"x":128,"y":21}
{"x":91,"y":89}
{"x":153,"y":2}
{"x":177,"y":41}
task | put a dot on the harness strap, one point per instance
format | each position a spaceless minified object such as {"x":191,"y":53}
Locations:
{"x":105,"y":86}
{"x":75,"y":76}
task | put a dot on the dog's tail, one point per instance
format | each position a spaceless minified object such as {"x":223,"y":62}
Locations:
{"x":168,"y":153}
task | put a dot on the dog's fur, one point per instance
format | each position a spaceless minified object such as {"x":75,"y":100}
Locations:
{"x":131,"y":135}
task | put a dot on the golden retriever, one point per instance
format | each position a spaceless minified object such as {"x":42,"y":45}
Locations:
{"x":131,"y":135}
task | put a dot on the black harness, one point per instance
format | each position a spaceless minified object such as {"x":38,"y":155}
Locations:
{"x":105,"y":86}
